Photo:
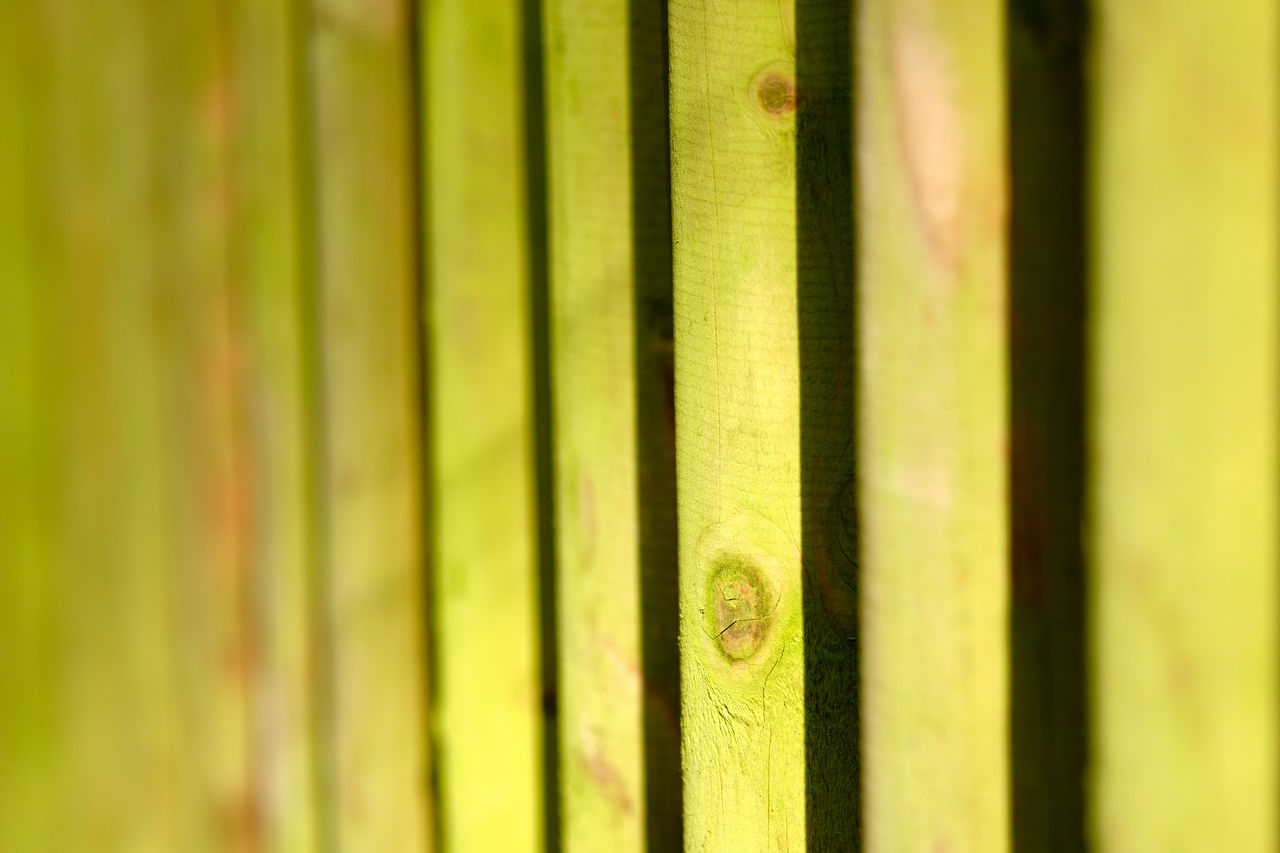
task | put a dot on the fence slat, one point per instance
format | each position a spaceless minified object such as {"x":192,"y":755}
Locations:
{"x":206,"y":505}
{"x":114,"y":688}
{"x":487,"y":692}
{"x":28,"y":522}
{"x":368,"y":325}
{"x":270,"y":273}
{"x":1185,"y":433}
{"x":932,"y":457}
{"x":593,"y":385}
{"x":733,"y":100}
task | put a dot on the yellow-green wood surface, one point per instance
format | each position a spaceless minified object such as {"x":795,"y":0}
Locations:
{"x":367,"y":333}
{"x":486,"y":685}
{"x":271,"y":287}
{"x":591,"y":304}
{"x":1185,"y":134}
{"x":112,"y":681}
{"x":28,"y":451}
{"x":204,"y":490}
{"x":733,"y":152}
{"x":932,"y":448}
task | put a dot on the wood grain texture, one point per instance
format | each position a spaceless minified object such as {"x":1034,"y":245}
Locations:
{"x":932,"y":447}
{"x":272,"y":286}
{"x":368,"y":334}
{"x":1184,"y":438}
{"x":591,"y":305}
{"x":733,"y":100}
{"x":487,"y":711}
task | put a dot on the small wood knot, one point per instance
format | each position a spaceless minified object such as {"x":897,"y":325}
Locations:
{"x":739,"y":607}
{"x":775,"y":91}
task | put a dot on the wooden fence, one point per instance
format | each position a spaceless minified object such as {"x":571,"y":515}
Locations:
{"x":602,"y":426}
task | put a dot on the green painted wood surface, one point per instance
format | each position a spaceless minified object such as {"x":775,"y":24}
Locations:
{"x":28,"y":451}
{"x":115,"y":683}
{"x":271,"y":274}
{"x":134,"y":529}
{"x":367,"y":333}
{"x":591,"y":306}
{"x":737,"y":423}
{"x":932,"y":446}
{"x":1184,"y":436}
{"x":486,"y":686}
{"x":200,"y":371}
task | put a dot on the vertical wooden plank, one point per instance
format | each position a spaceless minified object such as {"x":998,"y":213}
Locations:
{"x":28,"y":468}
{"x":206,"y":501}
{"x":592,"y":336}
{"x":116,"y":668}
{"x":733,"y":99}
{"x":271,"y":281}
{"x":486,"y":686}
{"x":932,"y":455}
{"x":368,"y":335}
{"x":1184,"y":501}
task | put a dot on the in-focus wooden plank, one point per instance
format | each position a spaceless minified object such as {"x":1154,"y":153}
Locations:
{"x":486,"y":686}
{"x":932,"y":454}
{"x":733,"y":100}
{"x":272,"y":283}
{"x":1185,"y":133}
{"x":207,"y":506}
{"x":368,"y":338}
{"x":592,"y":333}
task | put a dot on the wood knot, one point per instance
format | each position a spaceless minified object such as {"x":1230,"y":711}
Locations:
{"x":774,"y":91}
{"x":739,"y":607}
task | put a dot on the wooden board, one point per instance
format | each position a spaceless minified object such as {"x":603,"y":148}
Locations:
{"x":115,"y":699}
{"x":1184,"y":436}
{"x":28,"y":470}
{"x":591,"y":328}
{"x":733,"y":99}
{"x":932,"y":446}
{"x":197,"y":328}
{"x":487,"y":711}
{"x":368,"y":334}
{"x":272,"y":288}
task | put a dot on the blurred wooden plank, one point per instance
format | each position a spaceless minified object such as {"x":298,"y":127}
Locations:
{"x":1184,"y":502}
{"x":368,"y":340}
{"x":593,"y":382}
{"x":271,"y":278}
{"x":486,"y":685}
{"x":733,"y":100}
{"x":932,"y":424}
{"x":109,"y":566}
{"x":28,"y":471}
{"x":208,"y":506}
